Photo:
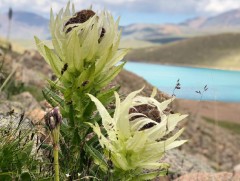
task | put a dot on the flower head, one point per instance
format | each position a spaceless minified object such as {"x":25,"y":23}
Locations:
{"x":131,"y":146}
{"x":85,"y":47}
{"x":53,"y":118}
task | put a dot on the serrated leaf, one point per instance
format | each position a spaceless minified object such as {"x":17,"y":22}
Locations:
{"x":54,"y":96}
{"x":56,"y":86}
{"x":98,"y":157}
{"x":49,"y":99}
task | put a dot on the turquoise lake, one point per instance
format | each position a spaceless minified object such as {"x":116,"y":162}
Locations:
{"x":223,"y":85}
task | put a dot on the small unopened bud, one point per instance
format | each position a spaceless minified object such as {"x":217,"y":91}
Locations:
{"x":53,"y":118}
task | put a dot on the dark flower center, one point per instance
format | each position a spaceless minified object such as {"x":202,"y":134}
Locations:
{"x":149,"y":111}
{"x":81,"y":17}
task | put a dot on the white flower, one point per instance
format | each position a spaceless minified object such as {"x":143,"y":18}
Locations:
{"x":86,"y":50}
{"x":130,"y":146}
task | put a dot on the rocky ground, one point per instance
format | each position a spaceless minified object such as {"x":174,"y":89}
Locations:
{"x":210,"y":149}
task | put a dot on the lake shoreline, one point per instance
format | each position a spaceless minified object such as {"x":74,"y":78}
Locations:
{"x":220,"y":85}
{"x":188,"y":65}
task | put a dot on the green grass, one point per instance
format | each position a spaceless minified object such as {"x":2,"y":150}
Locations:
{"x":14,"y":88}
{"x":222,"y":50}
{"x":234,"y":127}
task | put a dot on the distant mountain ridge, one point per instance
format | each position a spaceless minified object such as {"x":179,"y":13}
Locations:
{"x":25,"y":25}
{"x":225,"y":22}
{"x":227,"y":19}
{"x":30,"y":19}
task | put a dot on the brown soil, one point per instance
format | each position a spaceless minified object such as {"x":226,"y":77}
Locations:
{"x":215,"y":110}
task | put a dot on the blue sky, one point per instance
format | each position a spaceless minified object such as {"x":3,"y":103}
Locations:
{"x":132,"y":11}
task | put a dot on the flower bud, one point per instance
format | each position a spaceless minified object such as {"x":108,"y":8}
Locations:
{"x":53,"y":118}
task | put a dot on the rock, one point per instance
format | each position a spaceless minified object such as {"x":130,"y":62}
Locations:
{"x":15,"y":120}
{"x":32,"y":69}
{"x":10,"y":106}
{"x":182,"y":163}
{"x":27,"y":100}
{"x":236,"y":169}
{"x":218,"y":145}
{"x":36,"y":115}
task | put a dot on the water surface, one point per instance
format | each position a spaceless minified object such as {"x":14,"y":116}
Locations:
{"x":223,"y":85}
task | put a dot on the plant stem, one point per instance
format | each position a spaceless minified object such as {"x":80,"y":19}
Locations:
{"x":55,"y":152}
{"x":56,"y":164}
{"x":8,"y":78}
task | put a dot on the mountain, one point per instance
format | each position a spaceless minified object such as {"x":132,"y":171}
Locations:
{"x":155,"y":33}
{"x":225,"y":20}
{"x":165,"y":33}
{"x":194,"y":22}
{"x":30,"y":19}
{"x":221,"y":51}
{"x":24,"y":25}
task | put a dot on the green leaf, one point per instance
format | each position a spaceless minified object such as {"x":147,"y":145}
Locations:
{"x":107,"y":96}
{"x":98,"y":157}
{"x":25,"y":176}
{"x":90,"y":44}
{"x":54,"y":61}
{"x":104,"y":97}
{"x":5,"y":176}
{"x":150,"y":175}
{"x":56,"y":86}
{"x":85,"y":80}
{"x":49,"y":99}
{"x":54,"y":96}
{"x":40,"y":47}
{"x":116,"y":58}
{"x":73,"y":49}
{"x":47,"y":147}
{"x":110,"y":76}
{"x":46,"y":179}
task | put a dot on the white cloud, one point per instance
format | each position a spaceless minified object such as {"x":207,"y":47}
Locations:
{"x":218,"y":6}
{"x":196,"y":7}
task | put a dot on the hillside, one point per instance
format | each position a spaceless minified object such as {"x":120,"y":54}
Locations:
{"x":219,"y":51}
{"x":203,"y":134}
{"x":24,"y":25}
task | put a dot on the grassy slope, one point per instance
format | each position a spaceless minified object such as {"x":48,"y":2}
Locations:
{"x":133,"y":43}
{"x":16,"y":46}
{"x":234,"y":127}
{"x":222,"y":51}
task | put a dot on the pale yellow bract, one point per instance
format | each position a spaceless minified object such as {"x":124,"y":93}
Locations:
{"x":132,"y":148}
{"x":80,"y":49}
